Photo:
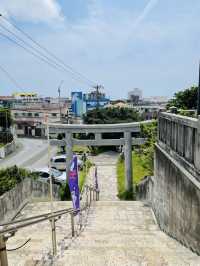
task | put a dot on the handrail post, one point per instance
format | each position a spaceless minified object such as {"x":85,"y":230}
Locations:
{"x":53,"y":232}
{"x":80,"y":219}
{"x":90,"y":195}
{"x":86,"y":196}
{"x":93,"y":194}
{"x":72,"y":224}
{"x":96,"y":194}
{"x":3,"y":252}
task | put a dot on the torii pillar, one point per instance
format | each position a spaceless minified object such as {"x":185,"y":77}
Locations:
{"x":69,"y":151}
{"x":128,"y":161}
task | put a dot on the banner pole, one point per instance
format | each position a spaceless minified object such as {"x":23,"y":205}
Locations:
{"x":49,"y":163}
{"x":53,"y":232}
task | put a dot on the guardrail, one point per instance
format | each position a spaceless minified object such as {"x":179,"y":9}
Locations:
{"x":10,"y":228}
{"x":180,"y":137}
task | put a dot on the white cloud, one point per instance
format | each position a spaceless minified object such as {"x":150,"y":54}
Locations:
{"x":32,"y":10}
{"x":148,"y":8}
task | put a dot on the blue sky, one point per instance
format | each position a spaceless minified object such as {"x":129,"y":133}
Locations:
{"x":122,"y":44}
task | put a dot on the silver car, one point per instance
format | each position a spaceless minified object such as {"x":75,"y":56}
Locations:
{"x":59,"y":163}
{"x":44,"y":175}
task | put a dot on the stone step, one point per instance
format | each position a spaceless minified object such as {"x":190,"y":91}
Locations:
{"x":125,"y":256}
{"x":114,"y":233}
{"x":40,"y":234}
{"x":125,"y":233}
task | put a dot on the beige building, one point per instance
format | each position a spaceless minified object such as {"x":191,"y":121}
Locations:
{"x":29,"y":118}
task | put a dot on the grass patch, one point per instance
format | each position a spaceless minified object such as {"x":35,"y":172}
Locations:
{"x":76,"y":149}
{"x":80,"y":149}
{"x":83,"y":174}
{"x":139,"y":171}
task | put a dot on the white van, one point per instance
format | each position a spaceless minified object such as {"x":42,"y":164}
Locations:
{"x":59,"y":163}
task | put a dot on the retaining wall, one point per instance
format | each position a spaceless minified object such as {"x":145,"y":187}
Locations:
{"x":12,"y":201}
{"x":174,"y":192}
{"x":7,"y":149}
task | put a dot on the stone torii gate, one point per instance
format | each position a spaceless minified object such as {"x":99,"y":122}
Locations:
{"x":127,"y":141}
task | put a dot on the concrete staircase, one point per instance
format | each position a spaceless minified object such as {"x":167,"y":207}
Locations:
{"x":114,"y":233}
{"x":124,"y":233}
{"x":39,"y":248}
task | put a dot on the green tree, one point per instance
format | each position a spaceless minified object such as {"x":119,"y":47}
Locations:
{"x":185,"y":99}
{"x":11,"y":176}
{"x":5,"y":124}
{"x":111,"y":116}
{"x":148,"y":131}
{"x":5,"y":118}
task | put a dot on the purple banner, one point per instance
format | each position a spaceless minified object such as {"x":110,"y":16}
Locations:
{"x":73,"y":183}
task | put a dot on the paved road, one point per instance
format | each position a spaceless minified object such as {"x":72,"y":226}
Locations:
{"x":31,"y":153}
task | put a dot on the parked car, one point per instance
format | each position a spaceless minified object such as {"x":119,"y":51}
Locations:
{"x":44,"y":175}
{"x":59,"y":163}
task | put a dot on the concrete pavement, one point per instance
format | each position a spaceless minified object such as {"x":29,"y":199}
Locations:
{"x":31,"y":153}
{"x":107,"y":171}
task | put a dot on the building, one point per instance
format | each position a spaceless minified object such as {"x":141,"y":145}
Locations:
{"x":29,"y":112}
{"x":94,"y":100}
{"x":156,"y":99}
{"x":7,"y":101}
{"x":148,"y":112}
{"x":82,"y":103}
{"x":135,"y":96}
{"x":78,"y":105}
{"x":29,"y":119}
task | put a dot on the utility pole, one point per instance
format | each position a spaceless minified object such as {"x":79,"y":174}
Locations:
{"x":59,"y":87}
{"x":97,"y":88}
{"x":198,"y":99}
{"x":6,"y":113}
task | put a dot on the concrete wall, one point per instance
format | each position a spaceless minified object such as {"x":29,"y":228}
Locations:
{"x":12,"y":201}
{"x":145,"y":190}
{"x":7,"y":149}
{"x":174,"y":192}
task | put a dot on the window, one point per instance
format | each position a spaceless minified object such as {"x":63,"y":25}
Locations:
{"x":30,"y":114}
{"x":60,"y":160}
{"x":44,"y":174}
{"x":54,"y":114}
{"x":36,"y":114}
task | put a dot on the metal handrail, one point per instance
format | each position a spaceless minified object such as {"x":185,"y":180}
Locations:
{"x":39,"y":220}
{"x":44,"y":217}
{"x":48,"y":213}
{"x":12,"y":227}
{"x":32,"y":217}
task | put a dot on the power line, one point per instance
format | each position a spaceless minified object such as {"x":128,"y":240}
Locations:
{"x":12,"y":80}
{"x":24,"y":42}
{"x":35,"y":49}
{"x":57,"y":67}
{"x":91,"y":83}
{"x":26,"y":49}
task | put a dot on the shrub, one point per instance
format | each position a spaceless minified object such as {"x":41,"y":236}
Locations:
{"x":11,"y":176}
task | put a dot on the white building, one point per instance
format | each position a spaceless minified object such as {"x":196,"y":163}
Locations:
{"x":135,"y":95}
